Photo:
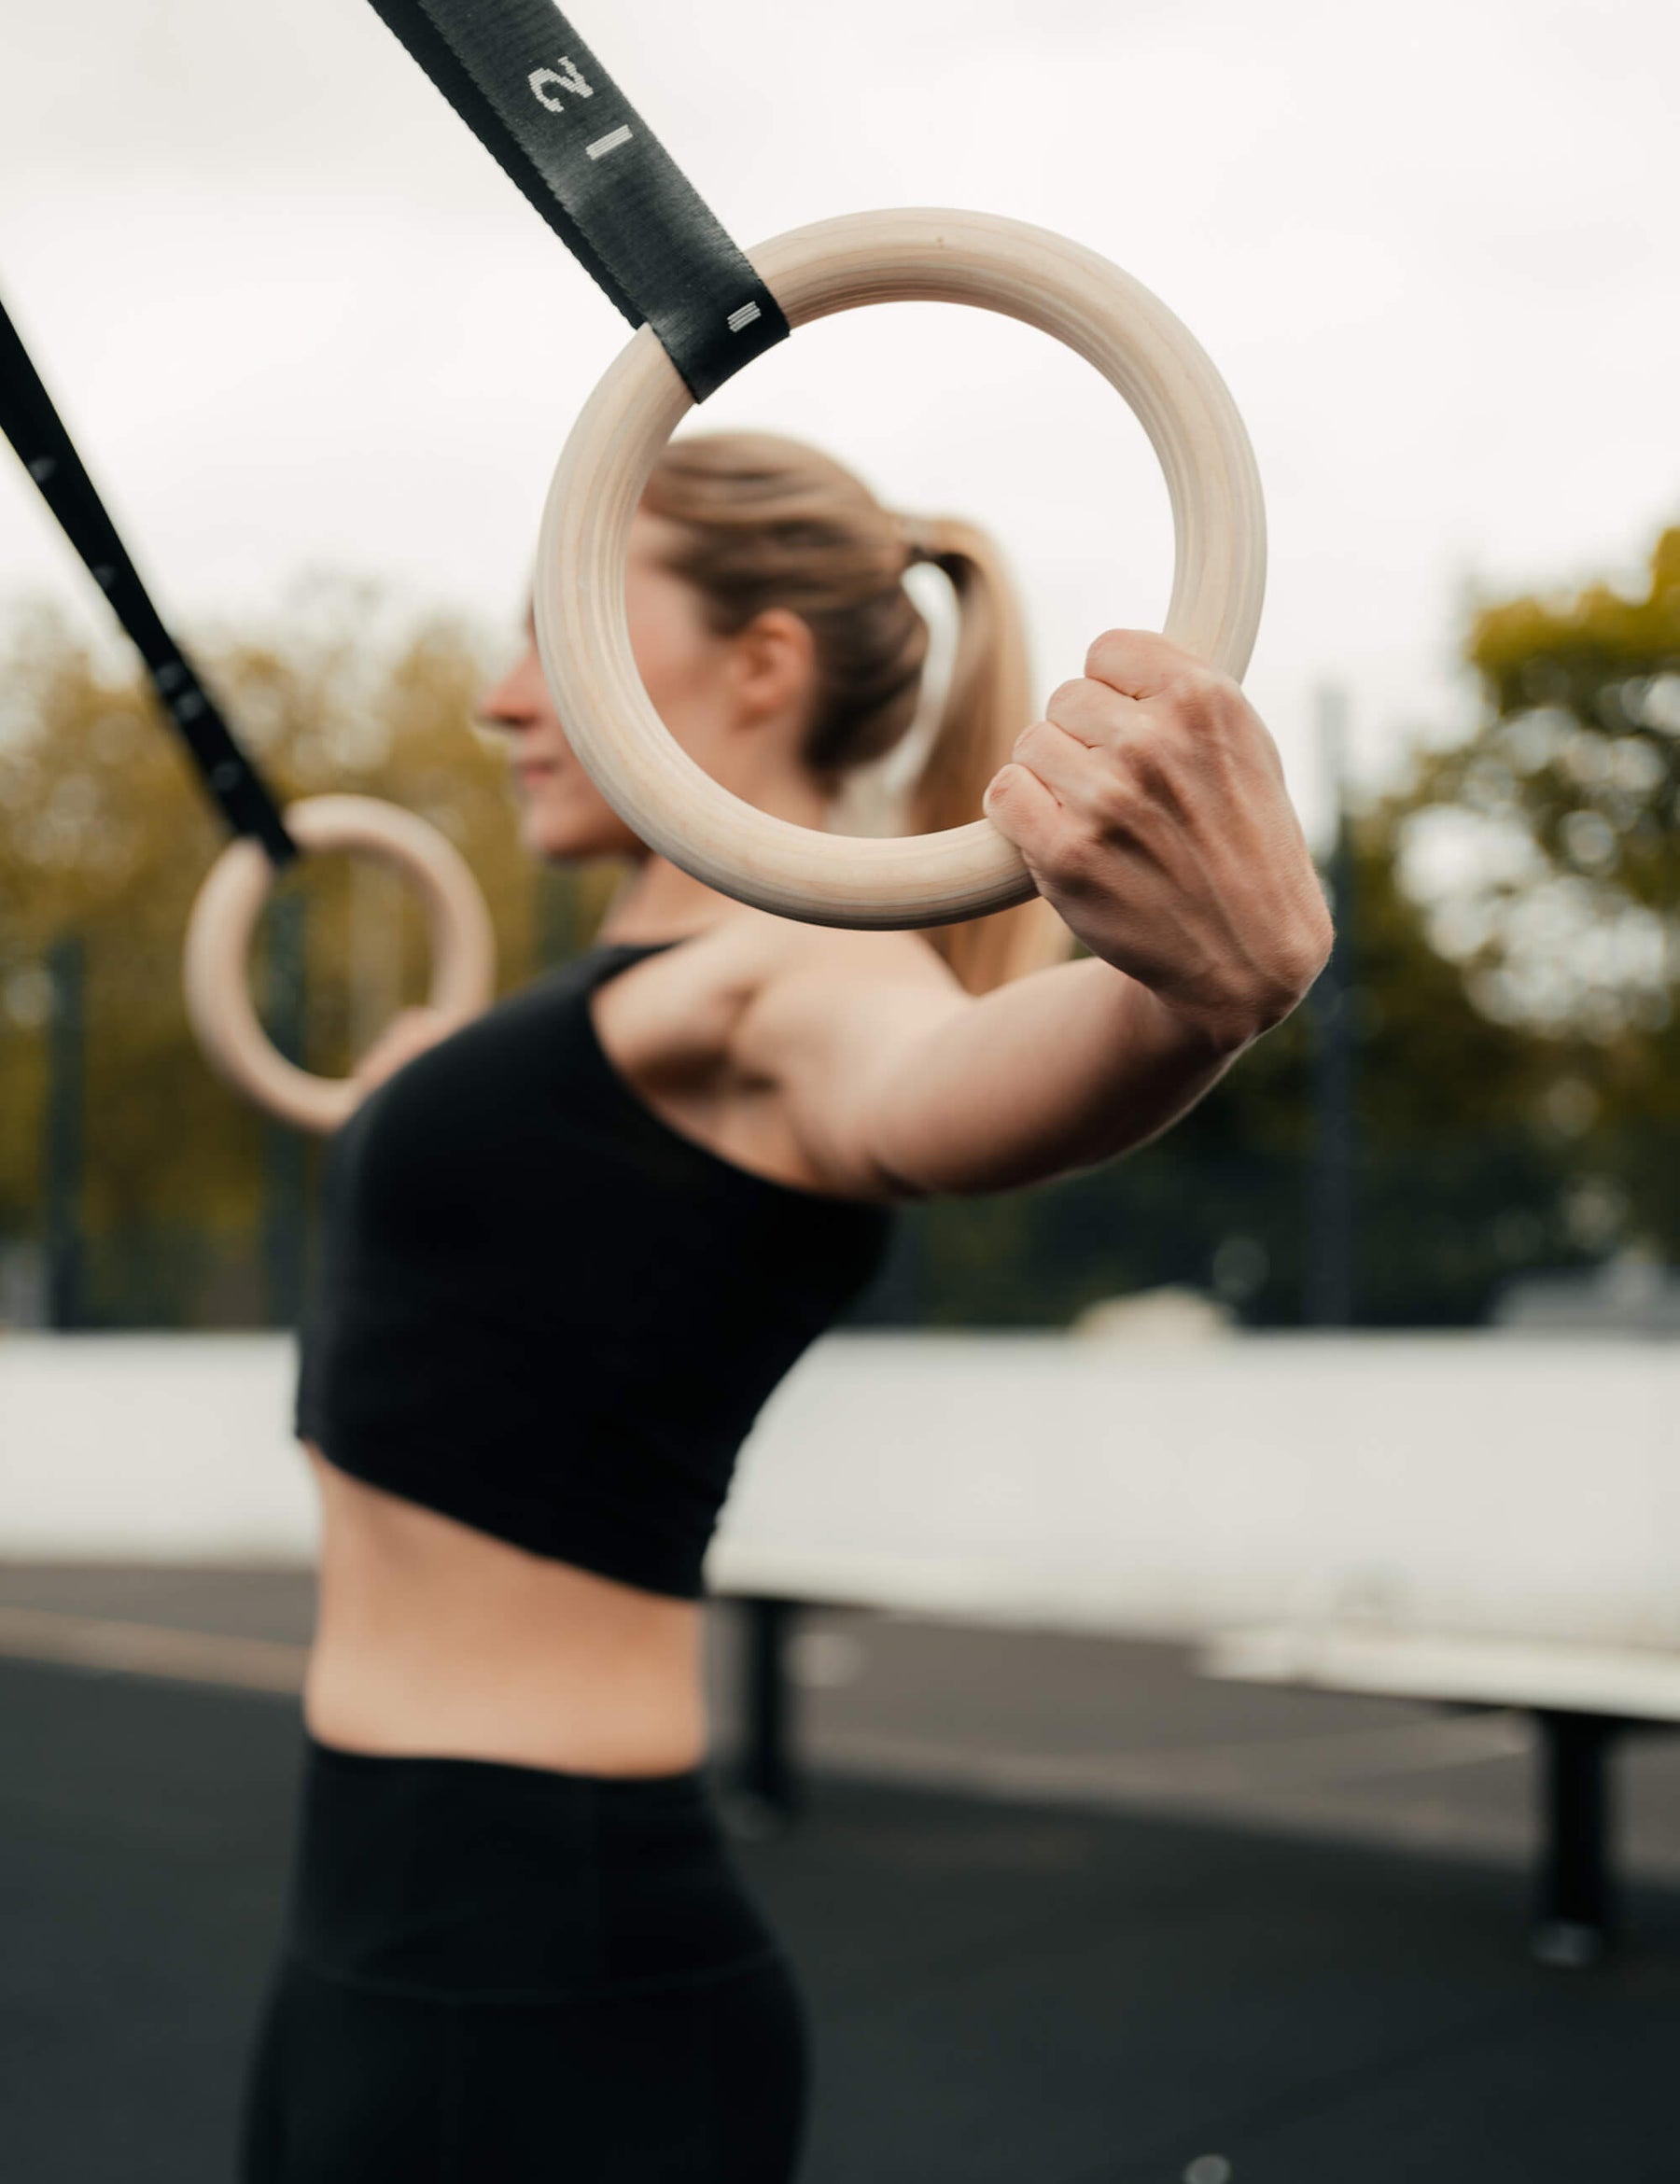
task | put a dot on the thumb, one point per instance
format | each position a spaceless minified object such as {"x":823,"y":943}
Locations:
{"x":1021,"y":808}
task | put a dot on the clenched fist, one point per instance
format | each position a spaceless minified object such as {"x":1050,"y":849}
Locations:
{"x":1151,"y":810}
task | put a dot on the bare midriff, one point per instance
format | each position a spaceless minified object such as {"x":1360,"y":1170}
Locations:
{"x":433,"y":1638}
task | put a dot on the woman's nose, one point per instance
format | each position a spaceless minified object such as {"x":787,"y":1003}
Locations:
{"x":519,"y":700}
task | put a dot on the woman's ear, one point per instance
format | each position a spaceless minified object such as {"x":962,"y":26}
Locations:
{"x":773,"y":665}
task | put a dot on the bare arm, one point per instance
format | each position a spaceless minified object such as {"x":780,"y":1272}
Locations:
{"x":914,"y":1087}
{"x":1151,"y":810}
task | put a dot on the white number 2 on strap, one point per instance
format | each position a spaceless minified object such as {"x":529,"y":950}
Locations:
{"x":564,"y":78}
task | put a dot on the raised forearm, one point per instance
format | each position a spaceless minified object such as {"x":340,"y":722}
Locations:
{"x":1149,"y":807}
{"x":1056,"y":1072}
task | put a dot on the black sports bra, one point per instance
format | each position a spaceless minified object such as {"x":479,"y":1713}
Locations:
{"x":546,"y":1312}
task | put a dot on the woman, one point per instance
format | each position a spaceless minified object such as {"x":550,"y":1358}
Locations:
{"x":572,"y":1247}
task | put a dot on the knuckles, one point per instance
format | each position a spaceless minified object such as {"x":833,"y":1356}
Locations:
{"x":1167,"y":840}
{"x":1141,"y":664}
{"x":1075,"y":697}
{"x":1130,"y":660}
{"x":1148,"y":767}
{"x":1205,"y":704}
{"x":1075,"y":864}
{"x":1122,"y":806}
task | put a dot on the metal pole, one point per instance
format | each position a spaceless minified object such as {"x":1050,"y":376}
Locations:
{"x":558,"y":925}
{"x":1330,"y":1299}
{"x":284,"y":1153}
{"x":767,"y":1779}
{"x":63,"y":1152}
{"x":375,"y":951}
{"x":1575,"y":1911}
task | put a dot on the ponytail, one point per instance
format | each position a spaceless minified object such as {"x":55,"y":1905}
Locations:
{"x":764,"y":522}
{"x":987,"y":702}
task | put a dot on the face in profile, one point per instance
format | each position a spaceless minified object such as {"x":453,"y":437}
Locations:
{"x":681,"y":663}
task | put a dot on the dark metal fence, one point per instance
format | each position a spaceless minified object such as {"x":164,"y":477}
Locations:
{"x":1315,"y":1222}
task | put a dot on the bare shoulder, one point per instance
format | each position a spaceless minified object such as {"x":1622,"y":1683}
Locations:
{"x":793,"y":955}
{"x":758,"y":1037}
{"x":750,"y":987}
{"x":820,"y":990}
{"x":798,"y":966}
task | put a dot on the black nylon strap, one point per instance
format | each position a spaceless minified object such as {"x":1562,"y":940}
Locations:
{"x":34,"y":428}
{"x":535,"y":97}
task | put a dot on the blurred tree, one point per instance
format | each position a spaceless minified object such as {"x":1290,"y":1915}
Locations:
{"x":1516,"y":956}
{"x":104,"y":831}
{"x":1548,"y":851}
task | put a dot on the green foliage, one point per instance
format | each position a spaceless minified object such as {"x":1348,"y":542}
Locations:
{"x":106,"y":831}
{"x":1515,"y":960}
{"x":1513,"y":920}
{"x":1568,"y":931}
{"x":1573,"y":789}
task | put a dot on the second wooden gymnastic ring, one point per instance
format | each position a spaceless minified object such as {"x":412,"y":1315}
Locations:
{"x":215,"y":976}
{"x":1000,"y":265}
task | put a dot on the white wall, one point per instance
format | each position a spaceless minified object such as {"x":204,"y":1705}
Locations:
{"x":1474,"y":1483}
{"x":152,"y":1447}
{"x":1470,"y":1483}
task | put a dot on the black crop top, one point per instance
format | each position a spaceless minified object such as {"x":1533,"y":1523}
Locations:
{"x":544,"y":1311}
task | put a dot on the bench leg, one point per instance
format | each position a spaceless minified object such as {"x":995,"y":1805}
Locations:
{"x":766,"y":1780}
{"x":1572,"y":1928}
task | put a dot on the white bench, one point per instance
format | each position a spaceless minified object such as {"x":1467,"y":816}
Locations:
{"x":1499,"y":1517}
{"x":1473,"y":1521}
{"x":1581,"y":1697}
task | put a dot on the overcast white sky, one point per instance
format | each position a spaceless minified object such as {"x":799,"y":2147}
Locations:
{"x":296,"y":317}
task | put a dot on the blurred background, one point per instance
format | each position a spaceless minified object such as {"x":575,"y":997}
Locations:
{"x":1485,"y":1090}
{"x":320,"y":356}
{"x":1072,"y":1909}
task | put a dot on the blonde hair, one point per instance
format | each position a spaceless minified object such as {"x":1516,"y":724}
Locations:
{"x":768,"y":522}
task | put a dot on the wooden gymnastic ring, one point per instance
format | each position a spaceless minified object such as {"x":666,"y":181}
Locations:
{"x":877,"y":258}
{"x":224,"y":919}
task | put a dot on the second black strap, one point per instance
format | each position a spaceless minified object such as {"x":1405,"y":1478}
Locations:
{"x":36,"y":431}
{"x":534,"y":95}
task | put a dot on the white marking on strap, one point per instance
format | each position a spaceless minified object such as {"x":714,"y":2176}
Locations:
{"x":564,"y":77}
{"x":744,"y":316}
{"x":603,"y":145}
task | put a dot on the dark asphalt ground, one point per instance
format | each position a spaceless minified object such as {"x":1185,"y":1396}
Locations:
{"x":1148,"y":1978}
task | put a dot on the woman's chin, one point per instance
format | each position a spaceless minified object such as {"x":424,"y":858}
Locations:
{"x":557,"y":839}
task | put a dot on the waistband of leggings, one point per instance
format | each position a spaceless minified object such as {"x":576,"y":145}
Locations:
{"x":463,"y":1876}
{"x":686,"y":1787}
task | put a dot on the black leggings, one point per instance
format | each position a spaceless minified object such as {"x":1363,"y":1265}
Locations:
{"x":501,"y":1975}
